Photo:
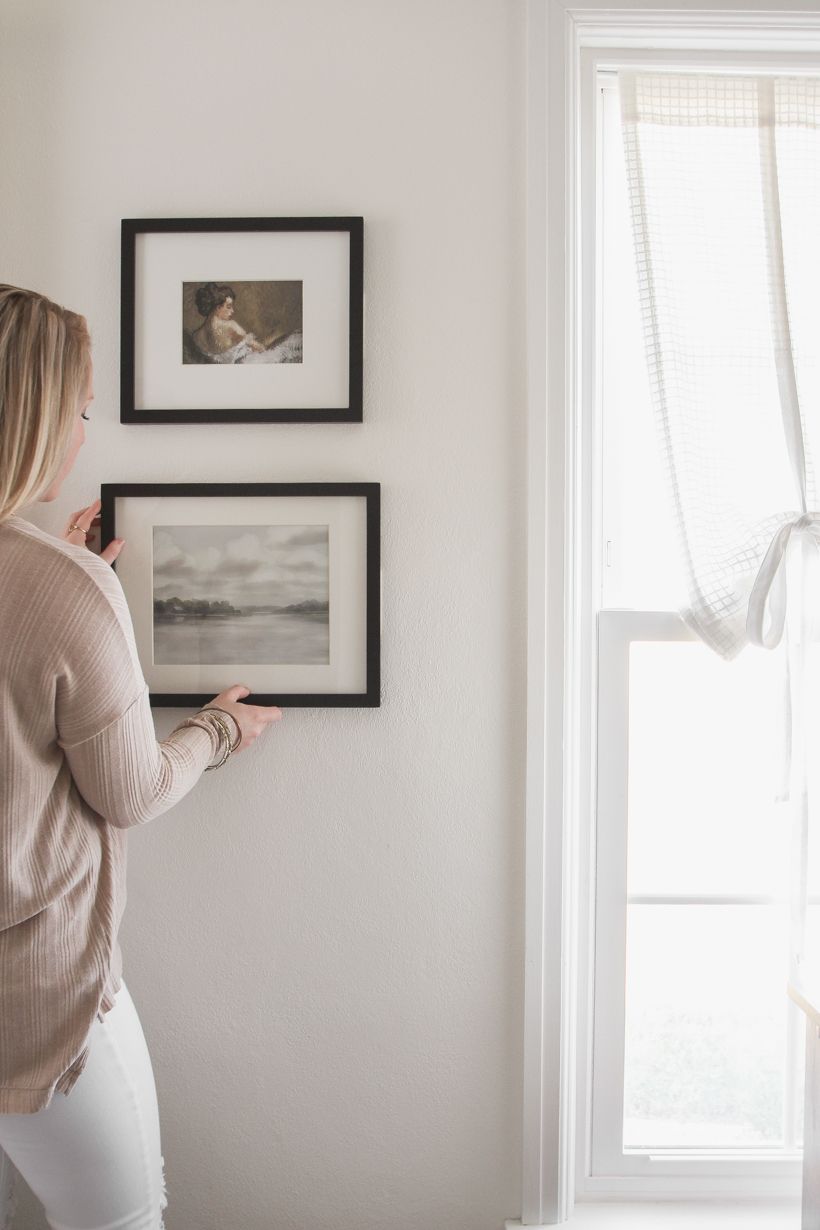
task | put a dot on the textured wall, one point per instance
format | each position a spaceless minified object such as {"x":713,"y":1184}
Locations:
{"x":325,"y":939}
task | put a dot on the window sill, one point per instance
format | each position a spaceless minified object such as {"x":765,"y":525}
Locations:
{"x":679,"y":1216}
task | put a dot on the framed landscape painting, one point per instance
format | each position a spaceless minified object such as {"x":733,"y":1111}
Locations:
{"x":274,"y":585}
{"x":241,"y":320}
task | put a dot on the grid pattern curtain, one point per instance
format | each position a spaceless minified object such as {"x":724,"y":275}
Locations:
{"x":723,"y":173}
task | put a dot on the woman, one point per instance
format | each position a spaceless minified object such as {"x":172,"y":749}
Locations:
{"x":222,"y":339}
{"x":79,"y":764}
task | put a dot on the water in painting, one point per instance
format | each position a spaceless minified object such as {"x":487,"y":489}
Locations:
{"x":241,"y":594}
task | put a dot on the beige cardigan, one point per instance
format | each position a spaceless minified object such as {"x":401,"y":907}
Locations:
{"x":79,"y":764}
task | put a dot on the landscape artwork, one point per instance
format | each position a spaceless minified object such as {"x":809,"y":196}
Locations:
{"x":241,"y":322}
{"x":241,"y":594}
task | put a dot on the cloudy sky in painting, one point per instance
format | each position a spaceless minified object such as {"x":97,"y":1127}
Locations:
{"x":246,"y":565}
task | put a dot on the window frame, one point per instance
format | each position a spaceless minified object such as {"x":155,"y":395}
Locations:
{"x":566,"y":46}
{"x":753,"y":1174}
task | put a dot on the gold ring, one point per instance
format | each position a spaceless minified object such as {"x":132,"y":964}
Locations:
{"x":71,"y":529}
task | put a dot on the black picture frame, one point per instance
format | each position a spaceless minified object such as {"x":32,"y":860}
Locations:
{"x":134,"y":227}
{"x":371,"y":696}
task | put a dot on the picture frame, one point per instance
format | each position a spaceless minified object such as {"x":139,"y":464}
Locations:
{"x":274,"y":585}
{"x":242,"y":320}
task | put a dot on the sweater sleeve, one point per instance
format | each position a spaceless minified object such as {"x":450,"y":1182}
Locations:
{"x":103,"y":714}
{"x":128,"y":777}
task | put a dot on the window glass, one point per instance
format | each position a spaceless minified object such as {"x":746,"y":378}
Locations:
{"x":705,"y":760}
{"x":712,"y":1046}
{"x":706,"y":1018}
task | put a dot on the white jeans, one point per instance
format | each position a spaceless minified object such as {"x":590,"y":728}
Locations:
{"x":93,"y":1158}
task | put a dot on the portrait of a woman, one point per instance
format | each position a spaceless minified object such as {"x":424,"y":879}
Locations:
{"x":222,"y":339}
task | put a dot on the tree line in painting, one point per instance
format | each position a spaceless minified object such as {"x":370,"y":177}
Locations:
{"x":167,"y":610}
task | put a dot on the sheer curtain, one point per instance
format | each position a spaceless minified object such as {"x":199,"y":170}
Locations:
{"x":723,"y":173}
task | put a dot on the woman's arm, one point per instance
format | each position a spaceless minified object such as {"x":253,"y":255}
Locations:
{"x":103,"y":714}
{"x":129,"y":778}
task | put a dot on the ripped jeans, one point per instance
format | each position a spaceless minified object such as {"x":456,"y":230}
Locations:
{"x":93,"y":1158}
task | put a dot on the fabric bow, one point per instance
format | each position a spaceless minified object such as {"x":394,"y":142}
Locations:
{"x":769,"y":589}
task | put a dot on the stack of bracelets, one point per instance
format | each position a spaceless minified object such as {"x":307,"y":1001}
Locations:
{"x":230,"y":745}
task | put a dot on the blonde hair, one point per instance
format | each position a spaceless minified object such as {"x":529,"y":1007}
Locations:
{"x":45,"y":356}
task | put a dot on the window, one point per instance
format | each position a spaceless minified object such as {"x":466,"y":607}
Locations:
{"x":567,"y":551}
{"x":697,"y":1051}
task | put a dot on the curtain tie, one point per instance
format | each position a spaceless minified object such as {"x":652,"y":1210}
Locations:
{"x":769,"y":589}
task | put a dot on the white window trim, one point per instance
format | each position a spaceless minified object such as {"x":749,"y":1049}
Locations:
{"x":561,"y":467}
{"x":669,"y":1216}
{"x":760,"y":1174}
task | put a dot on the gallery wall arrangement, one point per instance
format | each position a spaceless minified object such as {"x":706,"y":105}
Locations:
{"x":247,"y":320}
{"x":241,"y":320}
{"x":278,"y":579}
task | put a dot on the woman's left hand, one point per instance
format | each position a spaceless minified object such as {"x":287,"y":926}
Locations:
{"x":79,"y":528}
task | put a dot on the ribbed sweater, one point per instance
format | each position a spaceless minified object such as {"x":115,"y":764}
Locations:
{"x":79,"y":765}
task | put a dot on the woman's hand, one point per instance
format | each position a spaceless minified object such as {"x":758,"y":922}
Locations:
{"x":251,"y":719}
{"x":78,"y":531}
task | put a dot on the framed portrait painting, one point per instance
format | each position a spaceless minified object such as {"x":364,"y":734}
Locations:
{"x":274,"y":585}
{"x":241,"y":320}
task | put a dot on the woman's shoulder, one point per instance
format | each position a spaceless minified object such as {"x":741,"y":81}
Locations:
{"x":77,"y":597}
{"x":30,"y":558}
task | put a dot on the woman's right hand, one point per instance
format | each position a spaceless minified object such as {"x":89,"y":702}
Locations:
{"x":251,"y":719}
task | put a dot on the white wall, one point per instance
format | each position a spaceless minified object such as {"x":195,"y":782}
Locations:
{"x":325,"y":938}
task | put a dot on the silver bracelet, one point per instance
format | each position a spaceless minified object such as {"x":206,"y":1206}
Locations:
{"x":223,"y":726}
